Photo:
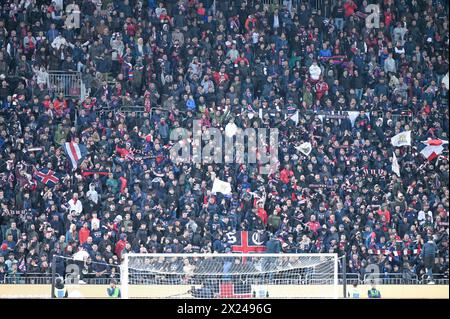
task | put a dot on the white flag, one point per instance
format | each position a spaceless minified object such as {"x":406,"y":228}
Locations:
{"x":395,"y":166}
{"x":445,"y":81}
{"x":352,"y":117}
{"x":221,"y":187}
{"x":295,"y":117}
{"x":305,"y":148}
{"x":401,"y":139}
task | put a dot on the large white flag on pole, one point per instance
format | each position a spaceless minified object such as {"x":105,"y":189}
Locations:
{"x":401,"y":139}
{"x":395,"y":166}
{"x":221,"y":187}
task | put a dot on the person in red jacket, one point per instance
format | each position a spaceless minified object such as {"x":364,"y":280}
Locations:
{"x":388,"y":17}
{"x":350,"y":8}
{"x":383,"y":211}
{"x":120,"y":245}
{"x":321,"y":88}
{"x":262,"y":213}
{"x":221,"y":77}
{"x":242,"y":58}
{"x":313,"y":224}
{"x":250,"y":23}
{"x":84,"y":233}
{"x":285,"y":174}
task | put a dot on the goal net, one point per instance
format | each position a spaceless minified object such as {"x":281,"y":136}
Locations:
{"x":226,"y":276}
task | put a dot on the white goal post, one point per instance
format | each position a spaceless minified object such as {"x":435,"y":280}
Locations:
{"x":232,"y":275}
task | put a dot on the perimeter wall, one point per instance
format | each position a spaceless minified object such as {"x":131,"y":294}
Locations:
{"x":282,"y":291}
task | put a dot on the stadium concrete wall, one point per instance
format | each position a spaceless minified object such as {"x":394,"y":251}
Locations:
{"x":284,"y":291}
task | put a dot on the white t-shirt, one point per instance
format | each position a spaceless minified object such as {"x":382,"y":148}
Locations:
{"x":95,"y":223}
{"x":422,"y":216}
{"x":77,"y":207}
{"x":92,"y":195}
{"x":81,"y":255}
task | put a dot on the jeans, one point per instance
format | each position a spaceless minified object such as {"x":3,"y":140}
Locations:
{"x":359,"y":93}
{"x":430,"y":274}
{"x":429,"y":263}
{"x":339,"y":23}
{"x":212,"y":9}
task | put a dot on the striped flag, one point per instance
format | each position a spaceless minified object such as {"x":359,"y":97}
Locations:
{"x":433,"y":148}
{"x":75,"y":152}
{"x":47,"y":177}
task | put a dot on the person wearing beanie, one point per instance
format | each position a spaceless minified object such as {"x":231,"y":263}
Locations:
{"x":60,"y":289}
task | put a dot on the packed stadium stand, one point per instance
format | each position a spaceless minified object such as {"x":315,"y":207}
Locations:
{"x":91,"y":90}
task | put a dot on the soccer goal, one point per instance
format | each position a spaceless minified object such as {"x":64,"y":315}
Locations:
{"x":224,"y":276}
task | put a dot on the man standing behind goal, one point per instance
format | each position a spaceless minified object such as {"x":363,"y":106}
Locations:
{"x":428,"y":255}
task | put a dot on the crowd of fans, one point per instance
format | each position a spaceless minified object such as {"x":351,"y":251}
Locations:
{"x":220,"y":62}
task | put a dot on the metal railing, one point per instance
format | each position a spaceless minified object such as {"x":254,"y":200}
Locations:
{"x":69,"y":84}
{"x":28,"y":279}
{"x":395,"y":117}
{"x":327,"y":278}
{"x":45,"y":279}
{"x":271,"y":3}
{"x":132,"y":108}
{"x":93,"y":280}
{"x":438,"y":279}
{"x":309,"y":279}
{"x":391,"y":279}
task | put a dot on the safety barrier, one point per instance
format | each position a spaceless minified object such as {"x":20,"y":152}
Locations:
{"x":327,"y":278}
{"x":275,"y":291}
{"x":28,"y":279}
{"x":394,"y":279}
{"x":132,"y":108}
{"x":68,"y":83}
{"x":40,"y":279}
{"x":314,"y":279}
